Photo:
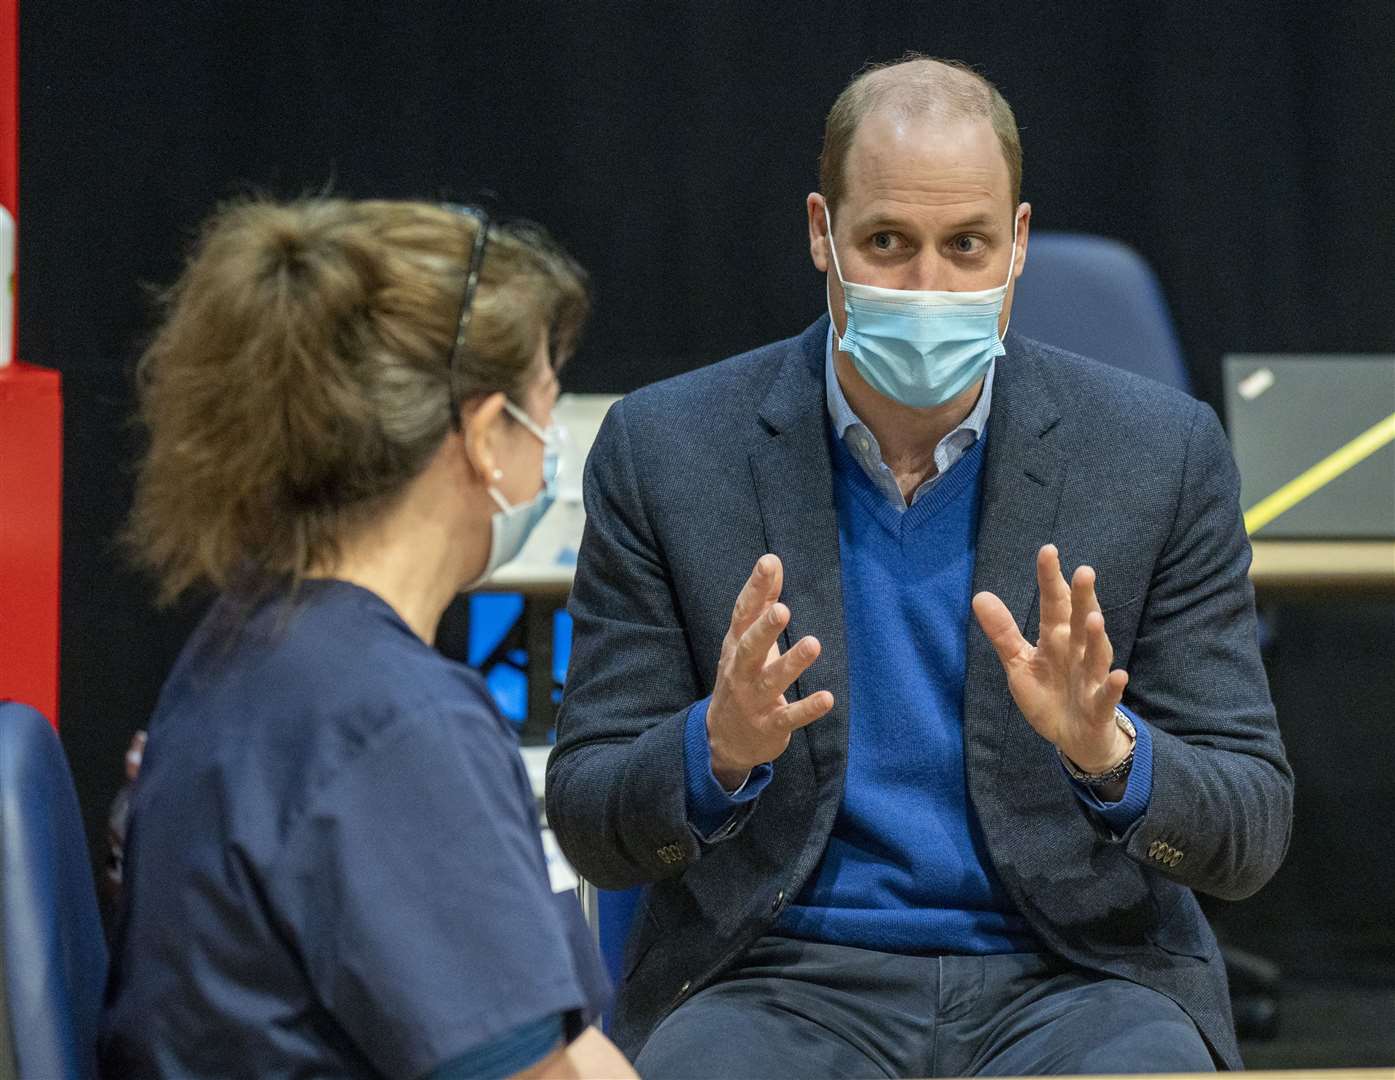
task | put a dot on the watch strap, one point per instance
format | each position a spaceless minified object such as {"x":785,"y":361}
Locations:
{"x":1111,"y":775}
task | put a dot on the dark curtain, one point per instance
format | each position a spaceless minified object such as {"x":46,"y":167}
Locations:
{"x":1244,"y":148}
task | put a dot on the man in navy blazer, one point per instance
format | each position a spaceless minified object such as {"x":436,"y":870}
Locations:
{"x":907,"y":798}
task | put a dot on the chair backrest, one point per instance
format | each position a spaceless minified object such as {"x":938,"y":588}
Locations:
{"x":611,"y":915}
{"x":615,"y":913}
{"x":1098,"y":297}
{"x":54,"y":955}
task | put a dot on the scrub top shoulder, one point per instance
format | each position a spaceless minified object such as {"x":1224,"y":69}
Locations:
{"x":333,"y":861}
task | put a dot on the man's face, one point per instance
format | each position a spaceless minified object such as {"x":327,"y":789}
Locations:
{"x":926,"y":205}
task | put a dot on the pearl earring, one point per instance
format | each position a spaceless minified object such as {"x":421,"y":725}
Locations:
{"x":498,"y":474}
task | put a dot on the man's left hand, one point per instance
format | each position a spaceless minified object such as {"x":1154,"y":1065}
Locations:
{"x":1063,"y":684}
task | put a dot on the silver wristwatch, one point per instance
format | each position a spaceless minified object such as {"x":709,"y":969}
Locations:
{"x":1109,"y":776}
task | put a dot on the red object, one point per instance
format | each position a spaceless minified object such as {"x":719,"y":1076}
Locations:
{"x":31,"y":487}
{"x":31,"y":461}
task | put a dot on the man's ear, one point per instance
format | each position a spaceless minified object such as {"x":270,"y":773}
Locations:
{"x":1024,"y":221}
{"x":817,"y":208}
{"x":480,"y":432}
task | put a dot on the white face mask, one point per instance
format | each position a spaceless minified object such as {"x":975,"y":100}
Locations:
{"x":510,"y":526}
{"x":924,"y":347}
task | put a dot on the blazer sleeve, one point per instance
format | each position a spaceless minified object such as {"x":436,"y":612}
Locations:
{"x":615,"y":780}
{"x":1222,"y":800}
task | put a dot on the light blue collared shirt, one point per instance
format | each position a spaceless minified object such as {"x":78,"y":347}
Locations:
{"x":867,"y":452}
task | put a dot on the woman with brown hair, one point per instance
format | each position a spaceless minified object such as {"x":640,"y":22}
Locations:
{"x":334,"y":865}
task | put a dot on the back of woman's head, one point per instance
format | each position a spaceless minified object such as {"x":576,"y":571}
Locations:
{"x":300,"y":379}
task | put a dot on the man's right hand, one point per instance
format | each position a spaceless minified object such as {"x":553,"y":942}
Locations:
{"x":749,"y":722}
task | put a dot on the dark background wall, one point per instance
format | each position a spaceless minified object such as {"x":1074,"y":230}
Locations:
{"x":1245,"y":149}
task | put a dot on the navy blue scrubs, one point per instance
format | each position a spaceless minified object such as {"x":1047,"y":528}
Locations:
{"x":333,"y":866}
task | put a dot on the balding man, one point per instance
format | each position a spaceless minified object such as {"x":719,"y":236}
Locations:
{"x":917,"y":802}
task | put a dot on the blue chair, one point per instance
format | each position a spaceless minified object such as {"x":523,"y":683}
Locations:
{"x":53,"y":958}
{"x":615,"y":912}
{"x":611,"y":914}
{"x":1099,"y":298}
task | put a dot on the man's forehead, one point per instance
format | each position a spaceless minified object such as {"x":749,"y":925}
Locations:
{"x":925,"y":159}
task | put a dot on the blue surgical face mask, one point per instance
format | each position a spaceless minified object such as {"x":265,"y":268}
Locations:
{"x":510,"y":525}
{"x":921,"y":348}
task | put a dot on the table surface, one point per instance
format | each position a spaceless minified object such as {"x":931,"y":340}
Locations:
{"x":1311,"y":565}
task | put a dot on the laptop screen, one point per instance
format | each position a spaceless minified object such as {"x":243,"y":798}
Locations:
{"x":1314,"y":438}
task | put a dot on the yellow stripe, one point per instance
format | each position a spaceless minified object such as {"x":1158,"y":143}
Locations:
{"x":1321,"y":474}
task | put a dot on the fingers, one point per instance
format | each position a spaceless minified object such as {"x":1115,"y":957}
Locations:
{"x":780,"y":673}
{"x":804,"y":711}
{"x":749,"y":720}
{"x":1000,"y":627}
{"x":1082,"y":602}
{"x":761,"y":590}
{"x":1099,"y":652}
{"x":1055,"y":593}
{"x":1111,"y":691}
{"x":753,"y":650}
{"x":1089,"y":638}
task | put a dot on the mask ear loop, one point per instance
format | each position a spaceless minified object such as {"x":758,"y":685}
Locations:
{"x":827,"y":295}
{"x":525,"y":420}
{"x":491,"y":486}
{"x":550,"y":437}
{"x":497,"y":495}
{"x":1012,"y":265}
{"x":828,"y":219}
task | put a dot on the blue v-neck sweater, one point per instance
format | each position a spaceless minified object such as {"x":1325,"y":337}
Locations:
{"x":906,"y":869}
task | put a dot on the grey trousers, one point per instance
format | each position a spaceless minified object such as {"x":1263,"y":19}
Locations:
{"x":804,"y":1010}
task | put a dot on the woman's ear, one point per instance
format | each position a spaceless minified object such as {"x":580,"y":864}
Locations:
{"x":480,"y":432}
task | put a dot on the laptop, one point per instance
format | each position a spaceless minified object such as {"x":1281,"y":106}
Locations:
{"x":1314,"y":438}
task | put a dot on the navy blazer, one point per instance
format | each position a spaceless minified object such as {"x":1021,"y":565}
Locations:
{"x":691,"y":480}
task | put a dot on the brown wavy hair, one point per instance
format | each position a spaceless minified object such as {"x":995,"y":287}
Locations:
{"x":299,"y":379}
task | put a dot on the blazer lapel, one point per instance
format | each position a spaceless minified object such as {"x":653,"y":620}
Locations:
{"x":793,"y":475}
{"x":1022,"y":483}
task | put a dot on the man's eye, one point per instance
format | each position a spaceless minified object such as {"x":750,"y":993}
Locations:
{"x":883,"y":241}
{"x":967,"y":245}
